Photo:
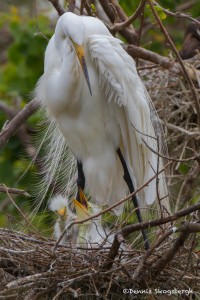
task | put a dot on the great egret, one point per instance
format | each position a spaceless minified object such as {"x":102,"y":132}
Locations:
{"x":92,"y":91}
{"x":60,"y":206}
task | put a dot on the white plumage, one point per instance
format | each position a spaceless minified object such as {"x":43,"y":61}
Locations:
{"x":117,"y":114}
{"x":60,"y":205}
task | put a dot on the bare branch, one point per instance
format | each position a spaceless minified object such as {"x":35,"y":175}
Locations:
{"x":4,"y":189}
{"x":176,"y":14}
{"x":58,"y":7}
{"x":129,"y":34}
{"x":186,"y":5}
{"x":137,"y":13}
{"x":185,"y":230}
{"x":10,"y":128}
{"x":71,"y":5}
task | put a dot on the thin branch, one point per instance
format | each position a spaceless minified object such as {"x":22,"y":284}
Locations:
{"x":71,"y":5}
{"x":186,"y":5}
{"x":23,"y":215}
{"x":158,"y":242}
{"x":185,"y":230}
{"x":128,"y":33}
{"x":176,"y":14}
{"x":137,"y":13}
{"x":10,"y":128}
{"x":4,"y":189}
{"x":58,"y":7}
{"x":196,"y":157}
{"x":30,"y":278}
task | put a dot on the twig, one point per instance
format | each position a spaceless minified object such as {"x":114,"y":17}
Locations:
{"x":5,"y":189}
{"x":186,"y":5}
{"x":176,"y":14}
{"x":71,"y":5}
{"x":21,"y":212}
{"x":141,"y":264}
{"x":189,"y":256}
{"x":14,"y":124}
{"x":58,"y":7}
{"x":29,"y":278}
{"x":129,"y":34}
{"x":120,"y":26}
{"x":185,"y":230}
{"x":2,"y":249}
{"x":195,"y":157}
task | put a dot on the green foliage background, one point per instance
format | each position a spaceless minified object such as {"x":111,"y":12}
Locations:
{"x":24,"y":65}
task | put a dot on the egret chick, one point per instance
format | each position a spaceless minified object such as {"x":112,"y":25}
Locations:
{"x":91,"y":233}
{"x":59,"y":205}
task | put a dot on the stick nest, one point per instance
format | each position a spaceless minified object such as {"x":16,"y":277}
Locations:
{"x":30,"y":270}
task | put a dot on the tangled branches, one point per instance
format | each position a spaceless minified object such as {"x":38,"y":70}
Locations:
{"x":29,"y":269}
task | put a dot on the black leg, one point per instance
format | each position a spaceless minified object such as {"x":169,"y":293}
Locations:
{"x":129,"y":182}
{"x":80,"y":180}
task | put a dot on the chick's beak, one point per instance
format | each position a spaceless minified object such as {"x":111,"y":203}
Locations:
{"x":81,"y":57}
{"x":81,"y":210}
{"x":62,"y":212}
{"x":81,"y":206}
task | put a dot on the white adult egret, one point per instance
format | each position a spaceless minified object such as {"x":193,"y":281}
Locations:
{"x":91,"y":89}
{"x":60,"y":206}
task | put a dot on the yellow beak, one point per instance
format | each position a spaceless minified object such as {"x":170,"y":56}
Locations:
{"x":62,"y":212}
{"x":81,"y":57}
{"x":82,"y":207}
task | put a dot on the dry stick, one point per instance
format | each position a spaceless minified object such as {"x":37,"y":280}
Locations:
{"x":140,"y":33}
{"x":58,"y":7}
{"x":141,"y":264}
{"x":186,"y":5}
{"x":109,"y":208}
{"x":5,"y":189}
{"x":119,"y":236}
{"x":129,"y":34}
{"x":21,"y":131}
{"x":189,"y":256}
{"x":82,"y":7}
{"x":30,"y":278}
{"x":23,"y":215}
{"x":164,"y":62}
{"x":169,"y":40}
{"x":138,"y":52}
{"x":177,"y":14}
{"x":119,"y":10}
{"x":71,"y":5}
{"x":196,"y":157}
{"x":191,"y":227}
{"x":185,"y":230}
{"x":14,"y":124}
{"x":119,"y":26}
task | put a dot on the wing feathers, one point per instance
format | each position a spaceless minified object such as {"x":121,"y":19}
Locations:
{"x":119,"y":79}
